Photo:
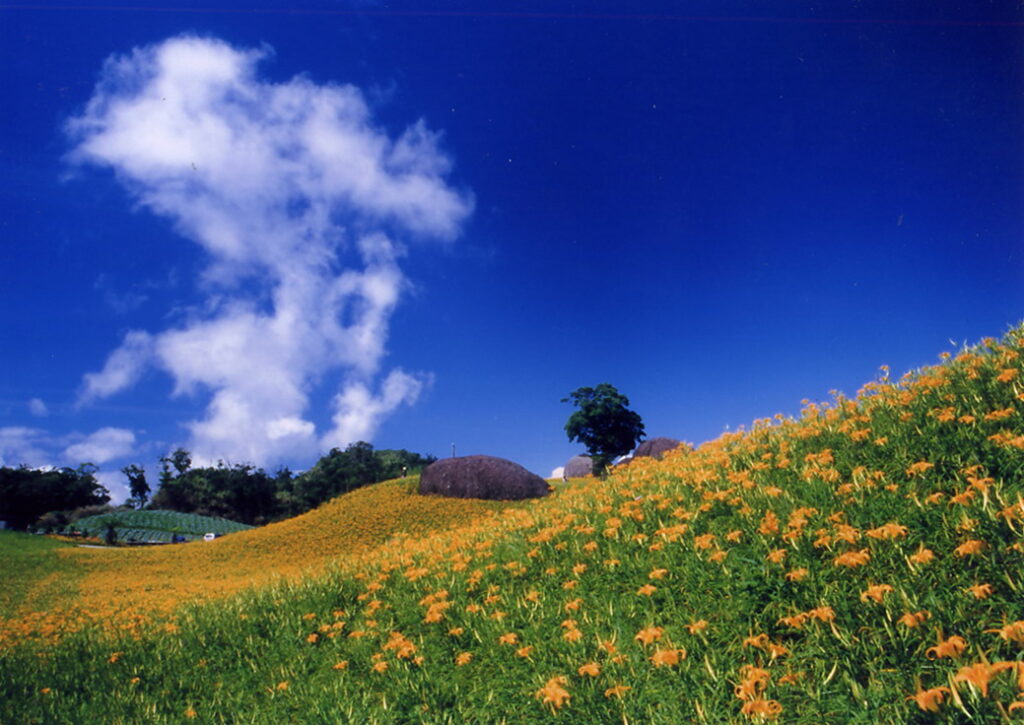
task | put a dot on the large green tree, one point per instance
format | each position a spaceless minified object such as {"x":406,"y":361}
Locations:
{"x":26,"y":493}
{"x":603,"y":423}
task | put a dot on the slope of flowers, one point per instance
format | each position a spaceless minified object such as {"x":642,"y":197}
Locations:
{"x":125,"y":588}
{"x":860,"y":564}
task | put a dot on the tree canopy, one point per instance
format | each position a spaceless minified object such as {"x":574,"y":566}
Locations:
{"x":27,"y":493}
{"x":603,"y":423}
{"x":250,"y":495}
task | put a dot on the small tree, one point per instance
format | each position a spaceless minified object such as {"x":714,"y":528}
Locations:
{"x":137,"y":485}
{"x":603,"y":424}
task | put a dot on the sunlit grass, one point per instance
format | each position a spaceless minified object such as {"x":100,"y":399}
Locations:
{"x":34,"y":574}
{"x":860,"y":564}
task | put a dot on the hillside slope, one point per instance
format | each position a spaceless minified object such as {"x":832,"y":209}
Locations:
{"x":859,"y":565}
{"x":125,"y":588}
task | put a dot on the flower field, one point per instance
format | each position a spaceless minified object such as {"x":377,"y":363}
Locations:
{"x":860,"y":564}
{"x":126,"y":589}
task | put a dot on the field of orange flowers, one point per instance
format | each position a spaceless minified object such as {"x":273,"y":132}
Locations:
{"x":128,"y":588}
{"x":860,"y":564}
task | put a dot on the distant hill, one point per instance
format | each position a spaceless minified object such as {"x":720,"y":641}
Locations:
{"x":153,"y":527}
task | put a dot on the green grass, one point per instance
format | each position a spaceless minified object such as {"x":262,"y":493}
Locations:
{"x":32,"y":572}
{"x":154,"y":527}
{"x":773,"y":571}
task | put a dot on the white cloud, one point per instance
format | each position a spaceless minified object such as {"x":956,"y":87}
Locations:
{"x":358,"y":411}
{"x":38,"y":408}
{"x":104,"y":445}
{"x":122,"y":370}
{"x":289,"y":188}
{"x":557,"y":472}
{"x":116,"y":485}
{"x":20,"y":445}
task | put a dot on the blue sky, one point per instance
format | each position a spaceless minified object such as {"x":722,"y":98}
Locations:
{"x":262,"y":233}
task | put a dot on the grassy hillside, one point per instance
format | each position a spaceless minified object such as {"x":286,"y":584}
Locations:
{"x":861,"y":564}
{"x":32,"y":564}
{"x":128,"y":588}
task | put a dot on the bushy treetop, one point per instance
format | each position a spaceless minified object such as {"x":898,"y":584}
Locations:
{"x":603,"y":423}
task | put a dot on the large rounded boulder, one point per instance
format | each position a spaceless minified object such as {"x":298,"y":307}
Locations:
{"x":579,"y":466}
{"x":655,"y":447}
{"x":481,"y":477}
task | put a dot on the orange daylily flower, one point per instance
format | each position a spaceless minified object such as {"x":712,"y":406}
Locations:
{"x":951,"y":647}
{"x":795,"y":575}
{"x":891,"y":530}
{"x":704,"y":541}
{"x":572,"y":635}
{"x":921,"y":556}
{"x":668,"y":657}
{"x":796,"y":621}
{"x":918,"y":468}
{"x":554,"y":693}
{"x":591,"y":669}
{"x":753,"y":683}
{"x":929,"y":700}
{"x":912,"y":620}
{"x":791,"y":678}
{"x":649,"y":635}
{"x":875,"y":592}
{"x":1013,"y":632}
{"x":697,"y":627}
{"x":823,"y":613}
{"x":1007,"y":375}
{"x":980,"y":591}
{"x":759,"y":641}
{"x":981,"y":673}
{"x":764,"y":709}
{"x":852,"y":558}
{"x":968,"y":548}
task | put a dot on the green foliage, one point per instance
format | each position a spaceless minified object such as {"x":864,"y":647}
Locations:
{"x":26,"y":494}
{"x":240,"y":492}
{"x":603,"y":423}
{"x":137,"y":485}
{"x":245,"y":493}
{"x":152,"y":526}
{"x":340,"y":471}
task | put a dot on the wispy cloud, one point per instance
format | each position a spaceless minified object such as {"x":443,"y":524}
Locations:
{"x":21,"y":445}
{"x":38,"y":408}
{"x":295,"y":196}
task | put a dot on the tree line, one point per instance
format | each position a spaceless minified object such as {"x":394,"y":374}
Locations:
{"x":240,"y":492}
